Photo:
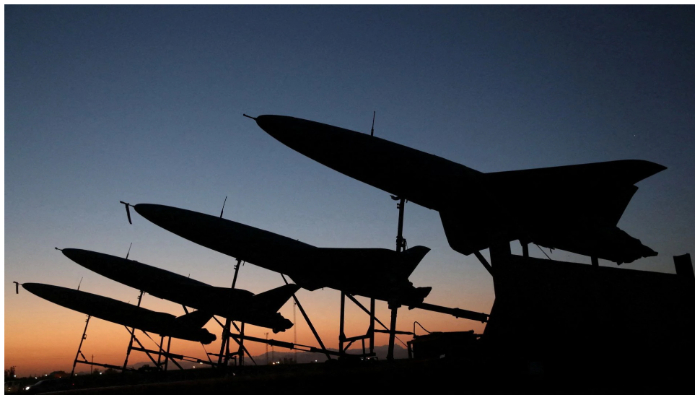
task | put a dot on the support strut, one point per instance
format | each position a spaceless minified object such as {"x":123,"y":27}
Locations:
{"x":224,"y":353}
{"x":133,"y":332}
{"x":341,"y":335}
{"x":82,"y":339}
{"x":308,"y":321}
{"x":394,"y":307}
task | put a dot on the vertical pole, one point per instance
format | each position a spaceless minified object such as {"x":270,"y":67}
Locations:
{"x":594,"y":261}
{"x":227,"y":328}
{"x":133,"y":332}
{"x":341,"y":336}
{"x":160,"y":351}
{"x":400,"y":245}
{"x":241,"y":355}
{"x":235,"y":274}
{"x":228,"y":348}
{"x":400,"y":242}
{"x":267,"y":350}
{"x":371,"y":326}
{"x":224,"y":341}
{"x":72,"y":372}
{"x":392,"y":332}
{"x":167,"y":353}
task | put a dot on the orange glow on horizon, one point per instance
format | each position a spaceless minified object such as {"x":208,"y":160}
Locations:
{"x":47,"y":339}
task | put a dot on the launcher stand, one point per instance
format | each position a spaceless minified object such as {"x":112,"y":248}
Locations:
{"x":308,"y":321}
{"x":131,"y":341}
{"x":400,"y":246}
{"x":225,"y":352}
{"x":79,"y":353}
{"x":371,"y":330}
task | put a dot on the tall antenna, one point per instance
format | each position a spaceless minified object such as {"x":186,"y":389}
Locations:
{"x":81,"y":281}
{"x":222,"y":208}
{"x":374,"y":113}
{"x":295,"y":331}
{"x":129,"y":251}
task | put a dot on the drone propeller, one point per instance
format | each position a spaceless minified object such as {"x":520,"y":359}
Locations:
{"x":128,"y":214}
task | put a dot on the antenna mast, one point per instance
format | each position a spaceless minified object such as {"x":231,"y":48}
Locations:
{"x":222,"y":207}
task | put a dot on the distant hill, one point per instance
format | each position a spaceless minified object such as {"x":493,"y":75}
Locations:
{"x":301,"y":357}
{"x":305,"y":357}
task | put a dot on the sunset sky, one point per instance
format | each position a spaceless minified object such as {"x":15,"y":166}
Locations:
{"x":144,"y":104}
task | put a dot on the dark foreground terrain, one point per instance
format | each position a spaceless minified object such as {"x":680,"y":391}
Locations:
{"x":379,"y":377}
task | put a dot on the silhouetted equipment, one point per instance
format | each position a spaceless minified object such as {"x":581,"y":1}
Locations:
{"x":590,"y":318}
{"x":371,"y":330}
{"x":80,"y":346}
{"x":419,"y":324}
{"x":116,"y":313}
{"x":286,"y":345}
{"x":166,"y":354}
{"x":545,"y":312}
{"x":16,"y":286}
{"x":225,"y":352}
{"x":459,"y":345}
{"x":684,"y":266}
{"x":307,"y":265}
{"x":187,"y":327}
{"x":308,"y":321}
{"x":574,"y":208}
{"x":235,"y":304}
{"x":373,"y":115}
{"x":455,"y":312}
{"x":133,"y":332}
{"x":229,"y":355}
{"x":369,"y":335}
{"x":393,"y":305}
{"x":345,"y":342}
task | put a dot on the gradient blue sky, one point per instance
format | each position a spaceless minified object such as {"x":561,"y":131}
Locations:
{"x":145,"y":104}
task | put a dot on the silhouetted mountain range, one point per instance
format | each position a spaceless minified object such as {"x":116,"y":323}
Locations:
{"x":301,"y":357}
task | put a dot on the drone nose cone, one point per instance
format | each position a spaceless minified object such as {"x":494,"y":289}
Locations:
{"x":75,"y":255}
{"x":85,"y":258}
{"x":32,"y":287}
{"x":154,"y":212}
{"x":277,"y":126}
{"x":40,"y":289}
{"x":315,"y":140}
{"x":147,"y":209}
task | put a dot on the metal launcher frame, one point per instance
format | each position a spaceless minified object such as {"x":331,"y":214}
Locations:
{"x":163,"y":354}
{"x":225,"y":353}
{"x":345,"y":342}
